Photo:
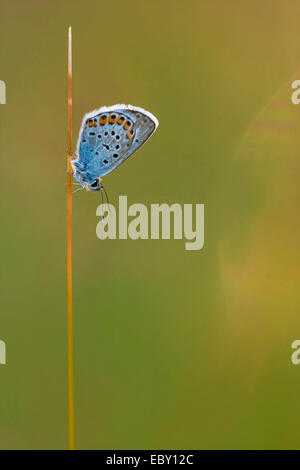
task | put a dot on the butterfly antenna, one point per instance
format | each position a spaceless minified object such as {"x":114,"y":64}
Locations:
{"x":107,"y":201}
{"x":102,"y":203}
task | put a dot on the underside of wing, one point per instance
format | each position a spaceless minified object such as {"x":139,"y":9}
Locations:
{"x":110,"y":135}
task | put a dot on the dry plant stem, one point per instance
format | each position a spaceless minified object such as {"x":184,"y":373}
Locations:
{"x":69,"y":255}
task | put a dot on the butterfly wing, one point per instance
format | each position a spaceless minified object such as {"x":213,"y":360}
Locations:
{"x":109,"y":136}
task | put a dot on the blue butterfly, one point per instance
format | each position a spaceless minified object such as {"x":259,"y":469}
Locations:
{"x":108,"y":136}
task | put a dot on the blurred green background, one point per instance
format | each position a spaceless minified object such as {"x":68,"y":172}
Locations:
{"x":173,"y":349}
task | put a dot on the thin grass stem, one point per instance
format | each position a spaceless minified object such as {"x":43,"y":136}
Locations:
{"x":69,"y":256}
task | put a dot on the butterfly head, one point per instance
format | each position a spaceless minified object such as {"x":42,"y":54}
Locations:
{"x":95,"y":185}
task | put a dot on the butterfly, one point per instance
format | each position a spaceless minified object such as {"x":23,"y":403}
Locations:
{"x":108,"y":136}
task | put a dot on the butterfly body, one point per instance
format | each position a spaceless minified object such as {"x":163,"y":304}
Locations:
{"x":108,"y":136}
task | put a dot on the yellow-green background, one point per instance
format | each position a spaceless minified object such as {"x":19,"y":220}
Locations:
{"x":173,"y":349}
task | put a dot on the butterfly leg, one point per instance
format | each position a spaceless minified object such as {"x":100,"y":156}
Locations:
{"x":76,"y":190}
{"x":72,"y":155}
{"x":77,"y":177}
{"x":74,"y":174}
